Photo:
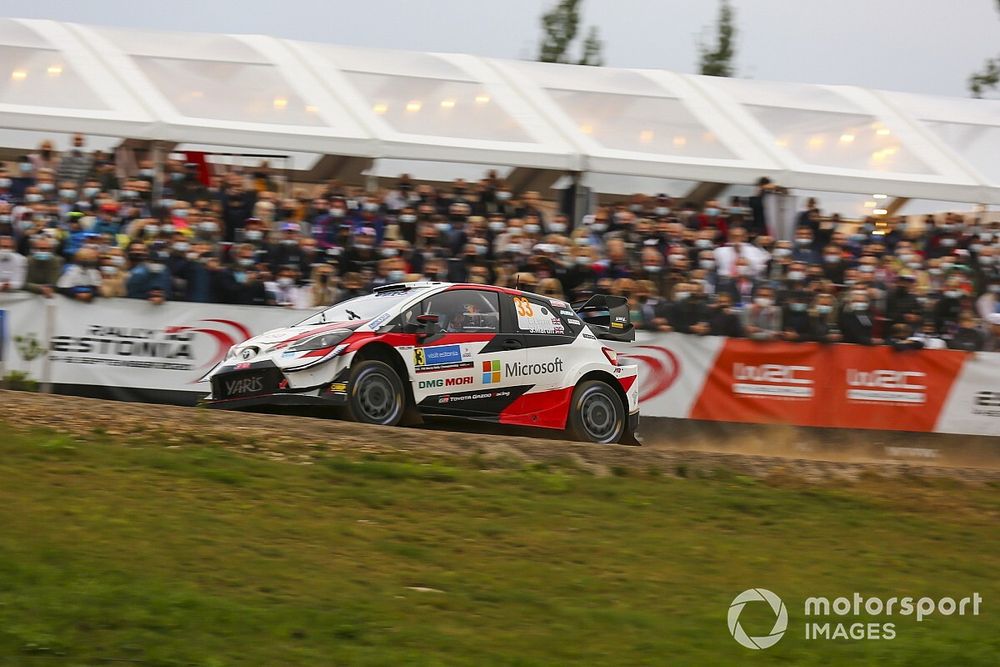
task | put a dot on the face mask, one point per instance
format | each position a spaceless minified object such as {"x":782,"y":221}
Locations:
{"x":129,"y":194}
{"x":860,"y":306}
{"x":986,"y":260}
{"x":33,"y":197}
{"x":176,"y":176}
{"x":824,"y":309}
{"x":156,"y":268}
{"x":109,"y":270}
{"x":245,"y":262}
{"x":782,"y":252}
{"x":146,"y":173}
{"x":995,"y":289}
{"x":503,"y":195}
{"x":707,"y":264}
{"x":532,"y":228}
{"x":151,"y":230}
{"x":25,"y":167}
{"x":711,"y":212}
{"x":481,"y":249}
{"x":285,"y":281}
{"x":831,"y":259}
{"x":513,"y":247}
{"x":953,"y":294}
{"x":408,"y":218}
{"x":253,"y":235}
{"x":867,"y":268}
{"x":745,"y":271}
{"x":703,"y":243}
{"x":42,"y":255}
{"x":167,"y":228}
{"x":389,"y":252}
{"x":661,"y":211}
{"x":598,"y":227}
{"x":798,"y":307}
{"x":935,"y":271}
{"x":371,"y":207}
{"x":5,"y":182}
{"x":209,"y":227}
{"x":181,"y":213}
{"x":396,"y":276}
{"x":337,"y":212}
{"x":91,"y":192}
{"x":46,"y":187}
{"x":582,"y":261}
{"x":497,"y":225}
{"x":442,"y":226}
{"x":762,"y":301}
{"x":948,"y":243}
{"x":117,"y":260}
{"x":182,"y":246}
{"x":557,"y":227}
{"x":652,"y":268}
{"x":682,"y":296}
{"x":796,"y":275}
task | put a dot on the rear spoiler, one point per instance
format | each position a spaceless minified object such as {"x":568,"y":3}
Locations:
{"x":607,"y":317}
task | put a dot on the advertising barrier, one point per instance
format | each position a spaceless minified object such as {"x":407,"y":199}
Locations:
{"x":136,"y":350}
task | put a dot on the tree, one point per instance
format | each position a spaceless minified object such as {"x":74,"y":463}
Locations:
{"x":718,"y":59}
{"x":987,"y":78}
{"x":560,"y":26}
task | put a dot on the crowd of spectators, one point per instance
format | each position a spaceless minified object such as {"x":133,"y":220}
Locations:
{"x":73,"y":224}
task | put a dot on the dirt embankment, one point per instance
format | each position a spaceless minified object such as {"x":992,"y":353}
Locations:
{"x":298,"y":439}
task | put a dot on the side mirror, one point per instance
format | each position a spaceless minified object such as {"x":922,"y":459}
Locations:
{"x":428,"y":325}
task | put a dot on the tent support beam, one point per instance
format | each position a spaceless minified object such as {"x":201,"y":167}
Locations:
{"x":895,"y":205}
{"x":704,"y":192}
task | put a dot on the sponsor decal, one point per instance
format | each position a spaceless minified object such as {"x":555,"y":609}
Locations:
{"x":886,"y":386}
{"x":338,"y":386}
{"x":377,"y":322}
{"x":248,"y":353}
{"x":575,"y":323}
{"x":439,"y":358}
{"x":242,"y":365}
{"x":772,"y":380}
{"x":243,"y":386}
{"x":589,"y":335}
{"x":446,"y":382}
{"x":491,"y":371}
{"x":534,"y":318}
{"x":472,"y":396}
{"x":518,"y":369}
{"x":288,"y":353}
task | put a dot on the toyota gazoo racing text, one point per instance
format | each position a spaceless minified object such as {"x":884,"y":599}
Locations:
{"x":473,"y":351}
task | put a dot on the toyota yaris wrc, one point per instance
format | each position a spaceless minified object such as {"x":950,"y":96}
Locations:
{"x":473,"y":351}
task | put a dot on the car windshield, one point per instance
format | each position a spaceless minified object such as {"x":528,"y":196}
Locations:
{"x":359,"y":308}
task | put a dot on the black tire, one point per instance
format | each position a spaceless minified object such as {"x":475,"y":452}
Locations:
{"x":596,"y":414}
{"x":376,"y":394}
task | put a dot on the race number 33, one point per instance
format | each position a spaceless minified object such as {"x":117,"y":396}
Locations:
{"x":523,"y":306}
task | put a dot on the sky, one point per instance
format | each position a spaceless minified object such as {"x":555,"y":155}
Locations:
{"x":909,"y":45}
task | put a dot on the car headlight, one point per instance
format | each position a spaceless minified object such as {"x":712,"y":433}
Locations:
{"x":328,"y":339}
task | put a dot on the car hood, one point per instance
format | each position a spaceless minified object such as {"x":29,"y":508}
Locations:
{"x":276,"y":338}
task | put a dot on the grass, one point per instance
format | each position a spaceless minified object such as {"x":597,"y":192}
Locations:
{"x":132,"y":553}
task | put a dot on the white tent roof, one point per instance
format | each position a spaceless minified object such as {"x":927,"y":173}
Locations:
{"x":260,"y":92}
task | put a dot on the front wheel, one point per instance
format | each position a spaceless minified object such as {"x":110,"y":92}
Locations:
{"x":376,"y":394}
{"x":596,"y":413}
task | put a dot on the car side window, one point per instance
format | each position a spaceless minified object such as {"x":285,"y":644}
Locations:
{"x":535,"y":317}
{"x":461,"y":311}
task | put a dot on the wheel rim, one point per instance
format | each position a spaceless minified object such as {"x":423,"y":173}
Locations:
{"x":377,"y":398}
{"x":599,"y":416}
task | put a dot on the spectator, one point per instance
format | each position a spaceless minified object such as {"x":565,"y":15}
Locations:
{"x":762,"y":319}
{"x":148,"y":277}
{"x":13,"y":266}
{"x":856,"y":321}
{"x":723,"y":319}
{"x":81,"y":280}
{"x":75,"y":166}
{"x":44,"y":268}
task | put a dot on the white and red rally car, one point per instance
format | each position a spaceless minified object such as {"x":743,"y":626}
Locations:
{"x":429,"y":348}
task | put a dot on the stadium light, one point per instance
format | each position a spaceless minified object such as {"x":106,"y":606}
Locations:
{"x":646,"y":136}
{"x":447,"y":104}
{"x":880,"y":211}
{"x":482,"y":99}
{"x":587,"y":129}
{"x":280,"y":103}
{"x":680,"y":140}
{"x":846,"y":138}
{"x":380,"y":108}
{"x":413,"y":106}
{"x":879,"y":196}
{"x":883,"y":132}
{"x":54,"y":70}
{"x":19,"y":75}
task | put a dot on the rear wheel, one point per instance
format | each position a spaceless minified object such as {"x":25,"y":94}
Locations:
{"x":376,"y":394}
{"x":596,"y":413}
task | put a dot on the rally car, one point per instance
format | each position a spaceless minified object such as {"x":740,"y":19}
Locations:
{"x":480,"y":352}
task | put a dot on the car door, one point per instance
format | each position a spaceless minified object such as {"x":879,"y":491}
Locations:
{"x":459,"y":369}
{"x":547,"y":337}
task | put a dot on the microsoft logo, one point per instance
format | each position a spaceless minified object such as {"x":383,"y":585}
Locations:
{"x":491,"y":371}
